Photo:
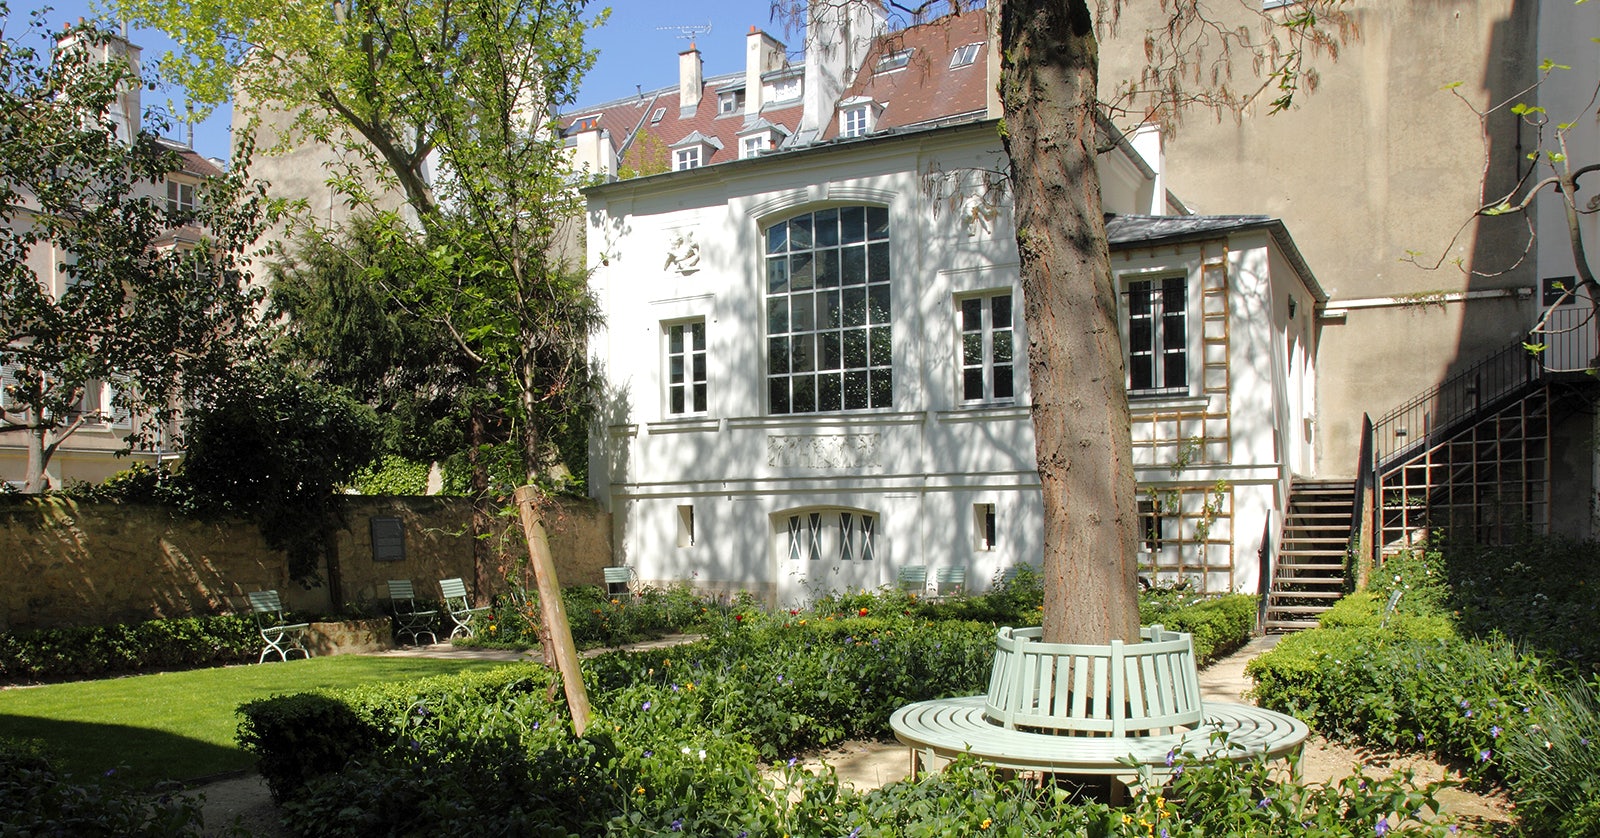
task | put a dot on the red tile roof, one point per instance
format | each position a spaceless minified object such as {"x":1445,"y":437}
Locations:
{"x":926,"y":91}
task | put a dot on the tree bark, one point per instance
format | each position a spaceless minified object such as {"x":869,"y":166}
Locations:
{"x":554,"y":614}
{"x":1049,"y":68}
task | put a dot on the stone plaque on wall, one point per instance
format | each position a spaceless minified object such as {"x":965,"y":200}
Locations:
{"x":823,"y":451}
{"x":388,"y":540}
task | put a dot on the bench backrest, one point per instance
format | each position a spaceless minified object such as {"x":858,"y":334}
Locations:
{"x":913,"y":576}
{"x":951,"y":576}
{"x":401,"y":589}
{"x":453,"y":589}
{"x":265,"y":602}
{"x":617,"y":575}
{"x":1116,"y":689}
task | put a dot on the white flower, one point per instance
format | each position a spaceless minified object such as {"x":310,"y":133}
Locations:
{"x":686,"y":749}
{"x":702,"y":753}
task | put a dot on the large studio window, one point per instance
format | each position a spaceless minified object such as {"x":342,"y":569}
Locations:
{"x":828,"y":335}
{"x":1158,"y":336}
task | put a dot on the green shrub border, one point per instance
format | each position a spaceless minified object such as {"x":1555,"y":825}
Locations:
{"x":90,"y":651}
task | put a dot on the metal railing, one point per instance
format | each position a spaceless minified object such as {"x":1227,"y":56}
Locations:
{"x":1456,"y":399}
{"x":1570,"y":340}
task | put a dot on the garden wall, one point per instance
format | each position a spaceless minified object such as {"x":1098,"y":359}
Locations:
{"x":65,"y":563}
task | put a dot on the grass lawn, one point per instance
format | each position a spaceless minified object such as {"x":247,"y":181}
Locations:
{"x":180,"y":725}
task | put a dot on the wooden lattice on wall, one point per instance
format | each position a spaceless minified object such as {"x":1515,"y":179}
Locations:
{"x":1187,"y":533}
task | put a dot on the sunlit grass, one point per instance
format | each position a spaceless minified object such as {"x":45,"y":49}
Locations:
{"x":180,"y":725}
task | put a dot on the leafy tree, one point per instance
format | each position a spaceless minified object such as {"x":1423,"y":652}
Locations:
{"x":276,"y":445}
{"x":153,"y":299}
{"x":449,"y":104}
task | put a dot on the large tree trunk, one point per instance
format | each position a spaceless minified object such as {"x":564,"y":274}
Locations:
{"x":1080,"y":404}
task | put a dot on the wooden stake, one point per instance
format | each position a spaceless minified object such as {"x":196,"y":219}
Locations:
{"x":551,"y":610}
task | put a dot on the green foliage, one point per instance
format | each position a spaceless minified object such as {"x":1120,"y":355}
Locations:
{"x":597,"y":618}
{"x":88,"y":651}
{"x":36,"y":799}
{"x":393,"y":475}
{"x":679,"y":735}
{"x":157,"y":323}
{"x":298,"y":738}
{"x":1217,"y":625}
{"x":277,"y":446}
{"x":1556,"y":762}
{"x":1533,"y":593}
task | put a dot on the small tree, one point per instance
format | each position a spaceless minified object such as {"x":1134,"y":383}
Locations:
{"x":154,"y":299}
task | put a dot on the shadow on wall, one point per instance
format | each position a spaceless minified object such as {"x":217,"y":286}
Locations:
{"x":73,"y":563}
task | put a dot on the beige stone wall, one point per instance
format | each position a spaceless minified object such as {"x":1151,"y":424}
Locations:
{"x":66,"y":563}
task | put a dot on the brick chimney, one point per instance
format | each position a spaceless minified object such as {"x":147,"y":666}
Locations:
{"x":762,"y":54}
{"x":691,"y":80}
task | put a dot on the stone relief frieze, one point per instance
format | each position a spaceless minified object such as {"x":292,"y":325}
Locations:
{"x":823,"y":451}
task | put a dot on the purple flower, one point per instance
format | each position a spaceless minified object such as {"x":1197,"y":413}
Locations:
{"x":1469,"y":714}
{"x":1494,"y":731}
{"x":1265,"y":801}
{"x":1382,"y":828}
{"x":1484,"y":757}
{"x":854,"y":833}
{"x":1170,"y":756}
{"x":677,"y":825}
{"x":792,"y":761}
{"x":647,"y":706}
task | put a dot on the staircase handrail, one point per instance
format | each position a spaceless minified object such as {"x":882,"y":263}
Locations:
{"x":1457,"y":397}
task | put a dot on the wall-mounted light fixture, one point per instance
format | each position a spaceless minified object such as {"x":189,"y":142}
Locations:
{"x":1293,"y":304}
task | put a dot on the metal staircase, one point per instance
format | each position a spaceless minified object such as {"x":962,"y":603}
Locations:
{"x":1310,"y":574}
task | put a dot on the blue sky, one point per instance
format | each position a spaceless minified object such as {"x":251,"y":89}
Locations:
{"x":638,"y":46}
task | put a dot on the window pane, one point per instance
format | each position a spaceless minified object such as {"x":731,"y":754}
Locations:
{"x":677,"y":400}
{"x":800,"y":274}
{"x":854,"y":268}
{"x":972,"y":384}
{"x":878,"y":303}
{"x":1141,"y":372}
{"x":697,"y":331}
{"x":882,"y":388}
{"x":880,"y":353}
{"x":852,"y":224}
{"x":778,"y":275}
{"x":802,"y":317}
{"x":877,"y":222}
{"x":1138,"y":298}
{"x":801,"y":355}
{"x":1140,"y":334}
{"x":855,"y":349}
{"x":1002,"y":347}
{"x":1000,"y":314}
{"x":827,"y":267}
{"x":777,"y":316}
{"x":972,"y":349}
{"x":855,"y":306}
{"x":777,"y":238}
{"x":827,"y":228}
{"x":800,"y":233}
{"x":971,"y":315}
{"x":700,"y":398}
{"x":1173,"y":333}
{"x":805,"y":394}
{"x":778,"y":395}
{"x":1175,"y":372}
{"x":778,"y":356}
{"x":831,"y":354}
{"x":855,"y":390}
{"x":675,"y":339}
{"x":675,"y":369}
{"x":878,"y":262}
{"x":1002,"y":382}
{"x":828,"y":393}
{"x":699,"y":366}
{"x":828,"y":310}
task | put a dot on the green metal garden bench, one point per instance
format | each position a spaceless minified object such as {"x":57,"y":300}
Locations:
{"x":619,"y":580}
{"x":410,"y":620}
{"x":1092,"y":710}
{"x":280,"y":635}
{"x":459,"y":605}
{"x":949,"y":580}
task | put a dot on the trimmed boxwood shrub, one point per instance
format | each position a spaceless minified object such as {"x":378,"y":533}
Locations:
{"x":88,"y":651}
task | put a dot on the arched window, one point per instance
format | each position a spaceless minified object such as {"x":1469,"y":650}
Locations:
{"x":828,"y":333}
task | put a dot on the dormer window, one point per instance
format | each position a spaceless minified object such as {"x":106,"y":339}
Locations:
{"x":894,"y":61}
{"x":760,"y":138}
{"x":582,"y":124}
{"x":694,"y":151}
{"x":731,"y":101}
{"x":783,"y":90}
{"x":753,"y":146}
{"x":656,"y":116}
{"x":857,"y":117}
{"x":964,"y":55}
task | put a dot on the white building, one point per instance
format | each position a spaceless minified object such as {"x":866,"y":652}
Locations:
{"x":815,"y":351}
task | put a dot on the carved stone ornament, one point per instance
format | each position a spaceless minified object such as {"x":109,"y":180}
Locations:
{"x":683,"y":254}
{"x":823,"y":451}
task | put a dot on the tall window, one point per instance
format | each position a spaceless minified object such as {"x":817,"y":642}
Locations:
{"x":1158,"y":336}
{"x":828,"y":341}
{"x":987,"y":349}
{"x":686,"y":368}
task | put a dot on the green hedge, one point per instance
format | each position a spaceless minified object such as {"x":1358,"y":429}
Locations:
{"x":88,"y":651}
{"x":36,"y":799}
{"x":1219,"y":625}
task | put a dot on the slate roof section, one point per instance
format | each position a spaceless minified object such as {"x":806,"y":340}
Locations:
{"x":1129,"y":231}
{"x":927,"y":90}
